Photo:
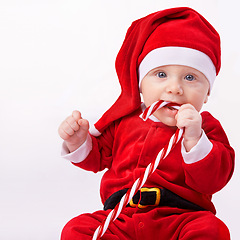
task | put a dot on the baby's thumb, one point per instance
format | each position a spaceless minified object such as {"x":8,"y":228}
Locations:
{"x":84,"y":124}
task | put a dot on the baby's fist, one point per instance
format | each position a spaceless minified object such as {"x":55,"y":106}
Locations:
{"x":74,"y":130}
{"x":189,"y":119}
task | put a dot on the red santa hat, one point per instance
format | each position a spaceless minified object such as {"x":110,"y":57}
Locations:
{"x":176,"y":36}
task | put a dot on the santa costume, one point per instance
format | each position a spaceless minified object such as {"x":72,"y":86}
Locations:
{"x":178,"y":195}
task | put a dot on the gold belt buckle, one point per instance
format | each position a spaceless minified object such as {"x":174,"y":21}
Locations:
{"x":158,"y":197}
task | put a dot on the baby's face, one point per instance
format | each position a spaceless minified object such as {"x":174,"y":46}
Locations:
{"x":177,"y":84}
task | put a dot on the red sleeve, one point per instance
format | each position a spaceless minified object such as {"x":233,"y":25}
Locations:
{"x":212,"y":173}
{"x":100,"y":156}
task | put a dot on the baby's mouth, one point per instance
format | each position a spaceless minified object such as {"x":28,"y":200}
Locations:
{"x":172,"y":106}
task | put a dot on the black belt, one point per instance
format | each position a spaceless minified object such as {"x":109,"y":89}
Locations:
{"x":152,"y":197}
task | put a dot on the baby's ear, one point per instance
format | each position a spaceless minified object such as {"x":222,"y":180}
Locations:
{"x":206,"y":99}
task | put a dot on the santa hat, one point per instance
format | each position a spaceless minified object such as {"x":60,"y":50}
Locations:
{"x":176,"y":36}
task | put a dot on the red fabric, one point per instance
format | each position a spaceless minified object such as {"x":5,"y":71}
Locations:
{"x":182,"y":27}
{"x":157,"y":223}
{"x":129,"y":145}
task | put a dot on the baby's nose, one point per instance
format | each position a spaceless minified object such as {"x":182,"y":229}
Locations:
{"x":174,"y":86}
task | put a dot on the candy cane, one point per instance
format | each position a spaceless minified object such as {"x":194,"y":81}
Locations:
{"x":149,"y":170}
{"x":155,"y":106}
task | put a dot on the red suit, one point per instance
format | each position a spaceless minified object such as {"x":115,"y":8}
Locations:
{"x":127,"y":146}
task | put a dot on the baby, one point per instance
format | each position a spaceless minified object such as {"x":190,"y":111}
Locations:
{"x":174,"y":56}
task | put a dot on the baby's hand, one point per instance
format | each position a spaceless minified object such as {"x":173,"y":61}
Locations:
{"x":74,"y":130}
{"x":190,"y":119}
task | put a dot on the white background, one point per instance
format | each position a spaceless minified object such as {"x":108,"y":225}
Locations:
{"x":57,"y":56}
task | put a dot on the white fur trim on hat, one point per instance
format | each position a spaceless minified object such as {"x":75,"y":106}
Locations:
{"x":178,"y":56}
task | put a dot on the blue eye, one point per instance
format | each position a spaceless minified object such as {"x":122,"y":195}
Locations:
{"x":161,"y":74}
{"x":189,"y":77}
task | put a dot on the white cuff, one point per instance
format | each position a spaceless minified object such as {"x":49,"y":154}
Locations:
{"x":79,"y":154}
{"x":199,"y":151}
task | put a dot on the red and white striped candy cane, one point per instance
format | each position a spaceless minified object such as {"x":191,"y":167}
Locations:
{"x":149,"y":170}
{"x":155,"y":106}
